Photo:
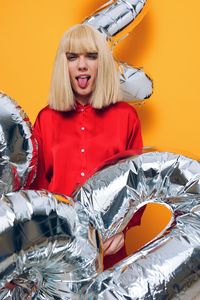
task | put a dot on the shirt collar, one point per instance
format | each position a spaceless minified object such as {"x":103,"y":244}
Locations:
{"x":81,"y":107}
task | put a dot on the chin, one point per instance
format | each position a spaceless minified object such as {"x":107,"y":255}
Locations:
{"x":84,"y":92}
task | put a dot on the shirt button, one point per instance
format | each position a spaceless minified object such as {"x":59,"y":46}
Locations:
{"x":82,"y":150}
{"x":82,"y":174}
{"x":82,"y":109}
{"x":82,"y":128}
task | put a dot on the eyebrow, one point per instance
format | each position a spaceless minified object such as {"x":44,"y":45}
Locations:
{"x":71,"y":53}
{"x":75,"y":53}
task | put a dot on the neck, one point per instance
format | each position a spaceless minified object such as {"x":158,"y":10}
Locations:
{"x":84,"y":100}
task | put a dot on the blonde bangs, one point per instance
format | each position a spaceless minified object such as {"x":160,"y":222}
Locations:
{"x":83,"y":38}
{"x":80,"y":39}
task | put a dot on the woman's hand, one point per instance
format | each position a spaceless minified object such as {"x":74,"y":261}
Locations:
{"x":113,"y":244}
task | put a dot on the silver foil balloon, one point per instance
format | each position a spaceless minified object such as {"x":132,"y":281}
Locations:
{"x":134,"y":83}
{"x":114,"y":16}
{"x":49,"y":250}
{"x":168,"y":266}
{"x":113,"y":19}
{"x":114,"y":194}
{"x":18,"y":149}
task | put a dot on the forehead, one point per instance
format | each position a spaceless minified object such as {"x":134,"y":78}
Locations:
{"x":80,"y":41}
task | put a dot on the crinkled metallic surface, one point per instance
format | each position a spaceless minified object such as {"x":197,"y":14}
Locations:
{"x":115,"y":15}
{"x":113,"y":18}
{"x":168,"y":266}
{"x":48,"y":250}
{"x":18,"y":150}
{"x":114,"y":194}
{"x":134,"y":83}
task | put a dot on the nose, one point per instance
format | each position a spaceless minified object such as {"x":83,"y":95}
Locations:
{"x":82,"y":62}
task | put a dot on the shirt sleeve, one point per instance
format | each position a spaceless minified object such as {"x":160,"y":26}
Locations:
{"x":134,"y":141}
{"x":40,"y":181}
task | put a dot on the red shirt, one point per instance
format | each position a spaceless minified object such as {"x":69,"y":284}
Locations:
{"x":74,"y":144}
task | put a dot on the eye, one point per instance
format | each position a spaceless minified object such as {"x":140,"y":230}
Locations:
{"x":92,"y":55}
{"x":71,"y":56}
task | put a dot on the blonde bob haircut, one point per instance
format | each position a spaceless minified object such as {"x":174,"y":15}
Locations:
{"x":83,"y":38}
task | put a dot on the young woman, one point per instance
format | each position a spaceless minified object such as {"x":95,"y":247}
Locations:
{"x":84,"y":124}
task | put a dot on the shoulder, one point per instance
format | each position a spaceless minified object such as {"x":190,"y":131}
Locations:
{"x":46,"y":115}
{"x":124,"y":108}
{"x":45,"y":119}
{"x":45,"y":112}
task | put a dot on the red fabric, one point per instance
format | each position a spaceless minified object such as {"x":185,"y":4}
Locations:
{"x":135,"y":221}
{"x":106,"y":135}
{"x":73,"y":145}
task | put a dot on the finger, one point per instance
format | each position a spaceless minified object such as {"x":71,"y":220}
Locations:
{"x":115,"y":245}
{"x":113,"y":242}
{"x":107,"y":244}
{"x":118,"y":245}
{"x":109,"y":241}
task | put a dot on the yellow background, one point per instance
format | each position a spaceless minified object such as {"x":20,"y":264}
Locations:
{"x":166,"y":44}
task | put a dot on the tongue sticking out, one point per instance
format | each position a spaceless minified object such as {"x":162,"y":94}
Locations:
{"x":82,"y":82}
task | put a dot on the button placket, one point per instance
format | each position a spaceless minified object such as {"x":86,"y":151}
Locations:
{"x":83,"y":143}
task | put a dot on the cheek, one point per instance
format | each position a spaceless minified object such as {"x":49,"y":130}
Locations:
{"x":94,"y":67}
{"x":96,"y":70}
{"x":71,"y":71}
{"x":71,"y":79}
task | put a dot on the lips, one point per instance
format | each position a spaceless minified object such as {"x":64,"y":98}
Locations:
{"x":83,"y":80}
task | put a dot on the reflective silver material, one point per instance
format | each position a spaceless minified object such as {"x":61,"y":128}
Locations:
{"x":112,"y":17}
{"x":115,"y":193}
{"x":134,"y":83}
{"x":49,"y":250}
{"x":168,"y":266}
{"x":18,"y":149}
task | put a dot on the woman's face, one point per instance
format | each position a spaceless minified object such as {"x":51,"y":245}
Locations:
{"x":83,"y":68}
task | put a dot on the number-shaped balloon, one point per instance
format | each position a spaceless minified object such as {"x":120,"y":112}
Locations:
{"x":49,"y":250}
{"x":18,"y":149}
{"x":168,"y":266}
{"x":115,"y":20}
